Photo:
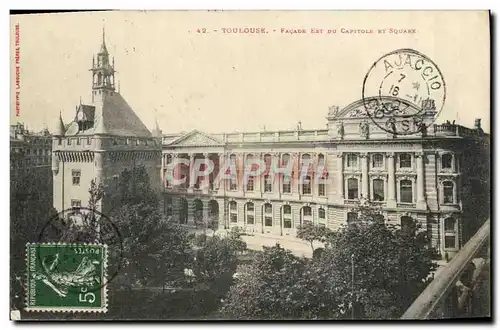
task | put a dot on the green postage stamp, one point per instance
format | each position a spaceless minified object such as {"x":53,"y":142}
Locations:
{"x":66,"y":277}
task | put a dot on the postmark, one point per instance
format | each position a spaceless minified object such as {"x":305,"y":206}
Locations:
{"x":81,"y":225}
{"x":403,"y":92}
{"x":66,"y":277}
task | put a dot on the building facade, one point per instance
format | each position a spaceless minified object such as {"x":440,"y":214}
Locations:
{"x":103,"y":139}
{"x":30,"y":154}
{"x":415,"y":176}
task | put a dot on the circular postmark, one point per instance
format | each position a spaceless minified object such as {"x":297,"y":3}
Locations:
{"x":403,"y":91}
{"x":82,"y":247}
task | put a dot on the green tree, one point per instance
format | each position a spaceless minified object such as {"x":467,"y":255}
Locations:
{"x":310,"y":232}
{"x":391,"y":266}
{"x":30,"y":210}
{"x":279,"y":285}
{"x":155,"y":250}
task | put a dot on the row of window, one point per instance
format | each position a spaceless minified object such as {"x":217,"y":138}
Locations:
{"x":404,"y":160}
{"x":29,"y":162}
{"x":405,"y":191}
{"x":306,"y":214}
{"x":88,"y":141}
{"x":36,"y":152}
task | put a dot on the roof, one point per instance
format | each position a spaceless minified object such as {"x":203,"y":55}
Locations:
{"x":119,"y":119}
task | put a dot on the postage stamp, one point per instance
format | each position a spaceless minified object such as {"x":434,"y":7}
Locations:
{"x":407,"y":85}
{"x":66,"y":277}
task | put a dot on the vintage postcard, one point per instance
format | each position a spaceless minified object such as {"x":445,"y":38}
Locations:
{"x":250,"y":165}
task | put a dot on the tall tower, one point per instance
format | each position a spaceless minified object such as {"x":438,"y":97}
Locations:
{"x":105,"y":138}
{"x":103,"y":72}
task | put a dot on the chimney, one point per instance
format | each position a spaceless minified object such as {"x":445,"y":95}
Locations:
{"x":477,"y":123}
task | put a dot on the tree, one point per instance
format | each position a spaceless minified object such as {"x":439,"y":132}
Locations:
{"x":155,"y":250}
{"x":310,"y":232}
{"x":391,"y":266}
{"x":279,"y":285}
{"x":30,"y":209}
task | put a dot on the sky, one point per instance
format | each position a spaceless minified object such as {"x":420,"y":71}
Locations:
{"x":227,"y":82}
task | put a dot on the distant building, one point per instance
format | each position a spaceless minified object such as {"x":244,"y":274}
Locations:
{"x":29,"y":151}
{"x":102,"y":140}
{"x":424,"y":178}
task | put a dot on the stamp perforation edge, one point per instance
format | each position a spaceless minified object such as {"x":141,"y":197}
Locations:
{"x":104,"y":288}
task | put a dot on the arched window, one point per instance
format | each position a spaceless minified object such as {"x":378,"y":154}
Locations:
{"x":448,"y":192}
{"x":306,"y":215}
{"x":287,"y":216}
{"x":198,"y":211}
{"x":321,"y":216}
{"x":450,"y":233}
{"x":404,"y":160}
{"x":286,"y":185}
{"x":233,"y":212}
{"x":351,"y":160}
{"x":377,"y":160}
{"x":234,"y":181}
{"x":268,"y":215}
{"x":446,"y":161}
{"x":352,"y":188}
{"x":378,"y":190}
{"x":406,"y":191}
{"x":250,"y":213}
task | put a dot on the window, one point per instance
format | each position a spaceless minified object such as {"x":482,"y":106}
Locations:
{"x":446,"y":161}
{"x":352,"y":160}
{"x":407,"y":224}
{"x":378,"y":190}
{"x":352,"y":217}
{"x":450,"y":237}
{"x":268,"y":185}
{"x":377,"y":160}
{"x":76,"y":174}
{"x":78,"y":142}
{"x":59,"y":141}
{"x":321,"y":189}
{"x":268,"y":215}
{"x":250,"y":214}
{"x":233,"y":211}
{"x":250,"y":183}
{"x":448,"y":192}
{"x":321,"y":216}
{"x":234,"y":184}
{"x":406,"y":191}
{"x":75,"y":203}
{"x":307,"y":215}
{"x":287,"y":216}
{"x":324,"y":175}
{"x":352,"y":188}
{"x":69,"y":141}
{"x":404,"y":160}
{"x":286,"y":187}
{"x":88,"y":141}
{"x":169,"y":209}
{"x":306,"y":185}
{"x":379,"y":218}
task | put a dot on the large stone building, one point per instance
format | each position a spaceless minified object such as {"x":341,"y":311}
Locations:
{"x":103,"y":139}
{"x":408,"y":177}
{"x":29,"y":152}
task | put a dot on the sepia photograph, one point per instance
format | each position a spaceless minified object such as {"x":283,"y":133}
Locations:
{"x":250,"y":165}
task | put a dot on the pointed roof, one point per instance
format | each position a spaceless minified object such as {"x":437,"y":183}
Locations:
{"x":60,"y":128}
{"x":157,"y":130}
{"x":103,"y":50}
{"x":116,"y":117}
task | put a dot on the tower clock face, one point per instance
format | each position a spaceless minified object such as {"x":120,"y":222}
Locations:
{"x":80,"y":116}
